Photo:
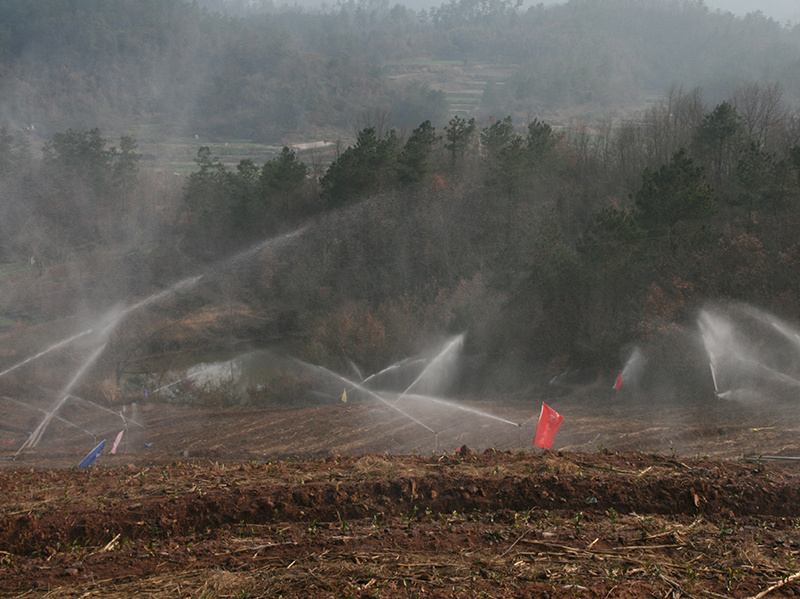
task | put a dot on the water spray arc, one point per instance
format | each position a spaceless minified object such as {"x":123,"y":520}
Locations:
{"x":787,"y":332}
{"x":436,"y":363}
{"x":772,"y":372}
{"x":188,"y":377}
{"x":116,"y":316}
{"x":183,"y":284}
{"x":392,"y":402}
{"x":430,"y":373}
{"x":125,"y":421}
{"x":632,"y":370}
{"x":111,"y":320}
{"x":226,"y":263}
{"x":435,"y":368}
{"x":370,"y":392}
{"x":717,"y":334}
{"x":471,"y":410}
{"x":54,"y":417}
{"x":36,"y":435}
{"x":463,"y":408}
{"x":52,"y":348}
{"x":744,"y":345}
{"x":393,"y":368}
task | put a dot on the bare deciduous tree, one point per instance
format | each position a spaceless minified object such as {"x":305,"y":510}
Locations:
{"x":761,"y":108}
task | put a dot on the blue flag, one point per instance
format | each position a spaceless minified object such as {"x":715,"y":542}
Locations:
{"x":93,"y":455}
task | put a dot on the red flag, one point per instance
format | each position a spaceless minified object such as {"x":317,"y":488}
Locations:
{"x":549,"y":421}
{"x":618,"y":384}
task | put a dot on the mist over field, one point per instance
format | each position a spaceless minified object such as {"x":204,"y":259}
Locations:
{"x":301,"y":199}
{"x":350,"y":299}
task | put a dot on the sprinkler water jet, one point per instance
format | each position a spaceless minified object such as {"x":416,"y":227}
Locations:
{"x":436,"y":363}
{"x":53,"y":347}
{"x":36,"y":435}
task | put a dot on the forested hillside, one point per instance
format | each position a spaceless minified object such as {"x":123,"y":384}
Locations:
{"x":280,"y":74}
{"x":641,"y":159}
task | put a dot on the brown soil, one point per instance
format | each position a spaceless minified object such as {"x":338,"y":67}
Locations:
{"x":645,"y":515}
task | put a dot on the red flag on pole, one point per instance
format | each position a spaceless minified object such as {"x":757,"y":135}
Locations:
{"x":618,"y":384}
{"x":549,"y":421}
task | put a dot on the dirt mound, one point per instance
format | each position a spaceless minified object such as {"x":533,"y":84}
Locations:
{"x":505,"y":524}
{"x":355,"y":500}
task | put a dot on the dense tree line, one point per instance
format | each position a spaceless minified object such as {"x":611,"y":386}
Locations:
{"x":557,"y":246}
{"x":538,"y":242}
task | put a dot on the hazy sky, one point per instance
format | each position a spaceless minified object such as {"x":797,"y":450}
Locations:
{"x":780,"y":10}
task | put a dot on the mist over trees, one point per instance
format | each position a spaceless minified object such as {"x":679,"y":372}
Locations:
{"x":279,"y":72}
{"x":638,"y":160}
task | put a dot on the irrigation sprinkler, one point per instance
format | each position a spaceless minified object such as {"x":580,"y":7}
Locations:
{"x":632,"y":370}
{"x":433,"y":364}
{"x":126,"y":422}
{"x":55,"y":416}
{"x":720,"y":339}
{"x":413,"y":396}
{"x":111,"y":322}
{"x":772,"y":458}
{"x":130,"y":420}
{"x":714,"y":378}
{"x":97,"y":405}
{"x":115,"y":316}
{"x":377,"y":396}
{"x":374,"y":394}
{"x":36,"y":435}
{"x":356,"y":370}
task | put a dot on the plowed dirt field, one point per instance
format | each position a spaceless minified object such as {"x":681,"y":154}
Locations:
{"x":338,"y":501}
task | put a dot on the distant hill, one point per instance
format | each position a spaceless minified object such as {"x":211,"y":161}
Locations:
{"x":291,"y":73}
